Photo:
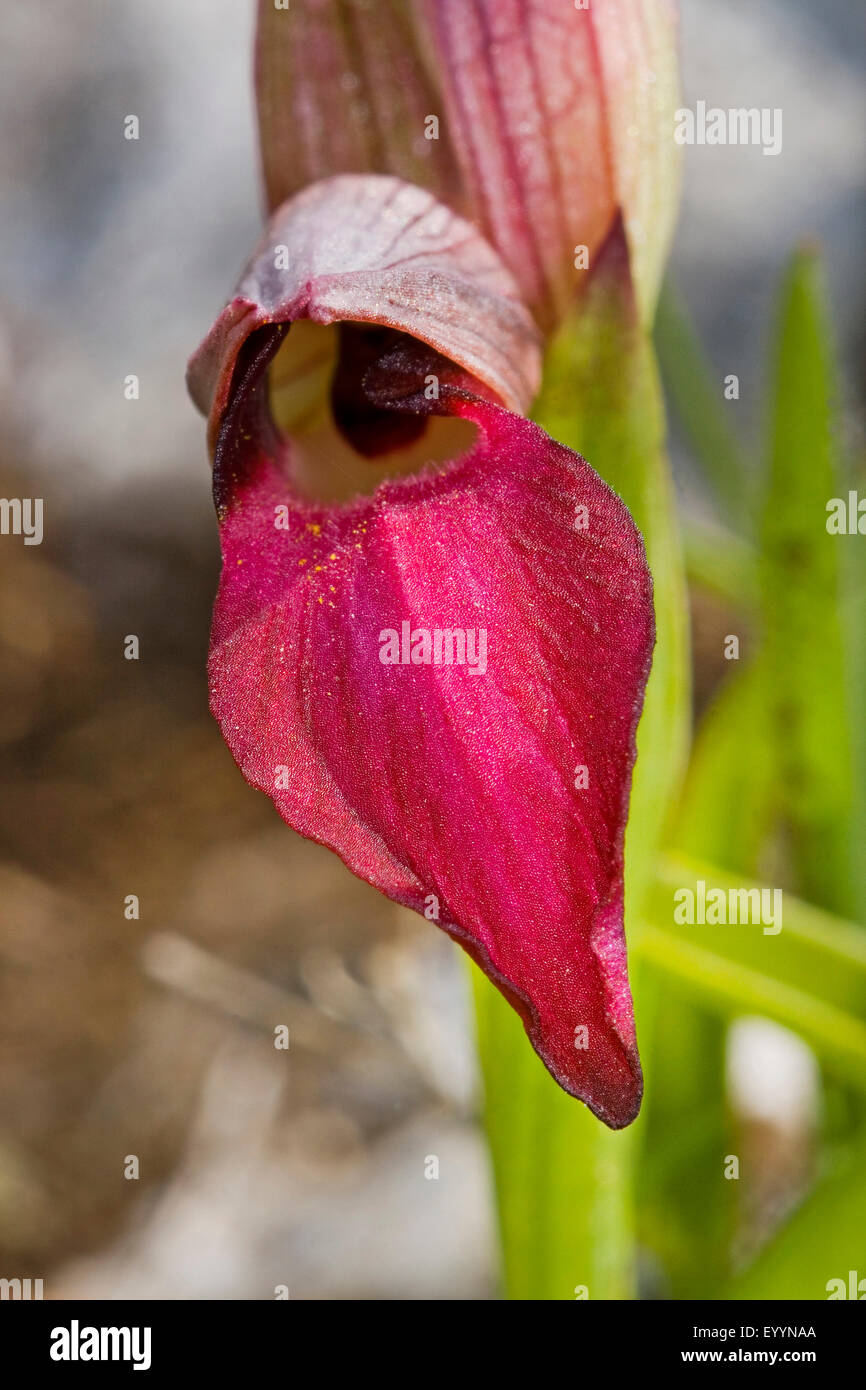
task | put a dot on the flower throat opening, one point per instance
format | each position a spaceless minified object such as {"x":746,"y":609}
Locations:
{"x":342,"y":443}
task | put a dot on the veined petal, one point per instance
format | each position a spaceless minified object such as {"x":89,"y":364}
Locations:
{"x":550,"y":119}
{"x":343,"y":88}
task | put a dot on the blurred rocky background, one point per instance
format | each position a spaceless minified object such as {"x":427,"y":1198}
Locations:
{"x":154,"y":1037}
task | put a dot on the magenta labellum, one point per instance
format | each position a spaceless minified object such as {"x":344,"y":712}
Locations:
{"x":439,"y":674}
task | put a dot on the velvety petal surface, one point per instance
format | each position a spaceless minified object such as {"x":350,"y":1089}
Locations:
{"x":489,"y":792}
{"x":455,"y":791}
{"x":549,"y":119}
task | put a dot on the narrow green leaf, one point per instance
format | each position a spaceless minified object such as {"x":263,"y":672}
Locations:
{"x":805,"y":661}
{"x":725,"y":815}
{"x":696,"y":392}
{"x":739,"y":968}
{"x":685,"y":1206}
{"x":563,"y":1180}
{"x":735,"y":990}
{"x":721,"y":562}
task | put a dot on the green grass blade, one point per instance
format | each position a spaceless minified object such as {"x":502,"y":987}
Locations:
{"x":805,"y":659}
{"x":721,"y":562}
{"x":696,"y":394}
{"x":726,"y":811}
{"x":686,"y":1208}
{"x":738,"y":969}
{"x":563,"y":1180}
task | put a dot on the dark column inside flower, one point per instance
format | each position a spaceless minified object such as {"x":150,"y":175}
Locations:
{"x":354,"y":404}
{"x":370,"y":429}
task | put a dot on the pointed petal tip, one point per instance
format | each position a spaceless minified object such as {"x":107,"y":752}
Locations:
{"x":604,"y":1074}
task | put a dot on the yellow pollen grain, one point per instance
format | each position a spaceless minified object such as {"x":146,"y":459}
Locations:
{"x":314,"y":527}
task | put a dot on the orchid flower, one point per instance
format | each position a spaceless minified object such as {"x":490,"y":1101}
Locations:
{"x":434,"y":624}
